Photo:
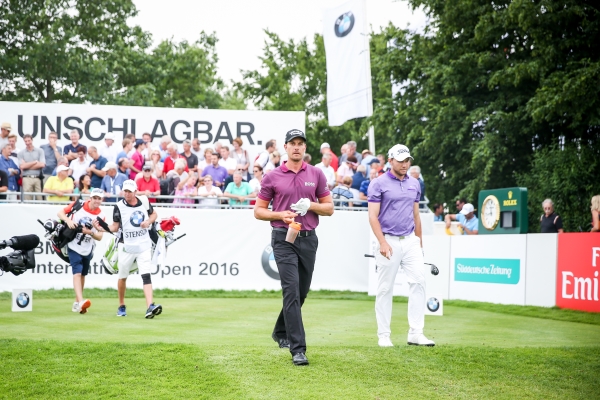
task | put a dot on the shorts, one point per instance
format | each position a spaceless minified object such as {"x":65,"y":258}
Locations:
{"x":80,"y":264}
{"x":126,"y":260}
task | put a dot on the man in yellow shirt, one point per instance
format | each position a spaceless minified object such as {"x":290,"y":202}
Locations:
{"x":59,"y":185}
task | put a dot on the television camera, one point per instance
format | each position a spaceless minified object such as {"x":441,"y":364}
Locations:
{"x":23,"y":256}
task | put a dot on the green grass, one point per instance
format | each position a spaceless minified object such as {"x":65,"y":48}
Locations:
{"x":214,"y":346}
{"x":554,"y":313}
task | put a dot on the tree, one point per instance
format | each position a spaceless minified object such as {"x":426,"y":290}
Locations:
{"x":60,"y":50}
{"x":84,"y":51}
{"x":292,"y":77}
{"x":488,"y":86}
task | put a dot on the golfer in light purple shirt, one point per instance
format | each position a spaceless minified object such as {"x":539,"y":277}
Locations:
{"x":394,"y":217}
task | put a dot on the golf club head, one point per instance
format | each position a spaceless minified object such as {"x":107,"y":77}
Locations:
{"x":434,"y":269}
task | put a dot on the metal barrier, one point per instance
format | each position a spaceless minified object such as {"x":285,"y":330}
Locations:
{"x":357,"y":205}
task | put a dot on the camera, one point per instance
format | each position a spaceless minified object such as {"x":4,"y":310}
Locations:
{"x":23,"y":258}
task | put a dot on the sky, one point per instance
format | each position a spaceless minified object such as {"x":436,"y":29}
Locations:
{"x":240,"y":24}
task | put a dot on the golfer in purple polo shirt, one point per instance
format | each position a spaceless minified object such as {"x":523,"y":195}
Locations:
{"x":298,"y":186}
{"x":394,"y":217}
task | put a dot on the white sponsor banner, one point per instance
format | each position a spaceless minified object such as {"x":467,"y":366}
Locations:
{"x":346,"y":38}
{"x":93,"y":122}
{"x":540,"y":281}
{"x":223,"y":249}
{"x":490,"y":268}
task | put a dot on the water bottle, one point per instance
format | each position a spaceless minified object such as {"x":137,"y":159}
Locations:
{"x":293,"y":231}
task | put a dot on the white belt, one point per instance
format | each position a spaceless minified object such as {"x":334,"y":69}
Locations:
{"x":399,"y":237}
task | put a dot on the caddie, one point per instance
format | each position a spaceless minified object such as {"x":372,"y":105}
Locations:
{"x":81,"y":248}
{"x":135,"y":216}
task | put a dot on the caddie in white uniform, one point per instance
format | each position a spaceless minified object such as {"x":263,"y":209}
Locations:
{"x":395,"y":221}
{"x":134,"y":215}
{"x":81,"y":249}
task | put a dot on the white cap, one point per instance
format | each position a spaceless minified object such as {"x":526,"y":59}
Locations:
{"x":130,"y":185}
{"x":97,"y":193}
{"x":399,"y":152}
{"x":467,"y":208}
{"x":110,"y":136}
{"x":61,"y":168}
{"x":109,"y":165}
{"x":325,"y":146}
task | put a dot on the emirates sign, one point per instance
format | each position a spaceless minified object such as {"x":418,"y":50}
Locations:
{"x":578,"y":270}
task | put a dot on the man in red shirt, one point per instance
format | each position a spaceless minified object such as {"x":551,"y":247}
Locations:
{"x":147,"y":184}
{"x":334,"y":159}
{"x":171,"y":158}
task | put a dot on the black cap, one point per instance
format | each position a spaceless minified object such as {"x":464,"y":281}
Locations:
{"x":294,"y":133}
{"x":138,"y":142}
{"x":373,"y":161}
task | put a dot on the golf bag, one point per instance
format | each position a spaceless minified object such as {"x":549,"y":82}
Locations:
{"x":162,"y":236}
{"x":59,"y":233}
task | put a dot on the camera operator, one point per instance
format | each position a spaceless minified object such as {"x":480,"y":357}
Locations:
{"x":81,"y":249}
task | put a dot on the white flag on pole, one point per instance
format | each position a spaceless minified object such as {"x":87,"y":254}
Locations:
{"x":348,"y":62}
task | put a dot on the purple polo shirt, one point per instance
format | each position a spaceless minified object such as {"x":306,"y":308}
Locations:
{"x":397,"y":198}
{"x":218,"y":173}
{"x":285,"y":188}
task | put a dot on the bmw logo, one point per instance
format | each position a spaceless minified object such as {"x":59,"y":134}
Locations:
{"x":22,"y":300}
{"x":269,"y":264}
{"x":433,"y":304}
{"x":85,"y":221}
{"x":137,"y":218}
{"x":344,"y":24}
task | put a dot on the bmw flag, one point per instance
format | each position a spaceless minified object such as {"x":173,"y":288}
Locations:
{"x":348,"y":62}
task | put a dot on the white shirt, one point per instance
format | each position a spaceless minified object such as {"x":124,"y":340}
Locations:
{"x":199,"y":154}
{"x":329,"y":173}
{"x":255,"y":185}
{"x":79,"y":168}
{"x":228,"y":164}
{"x":263,"y":159}
{"x":110,"y":153}
{"x":210,"y":200}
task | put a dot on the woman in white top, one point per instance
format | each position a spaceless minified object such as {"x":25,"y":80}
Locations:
{"x":241,"y":157}
{"x":156,"y":164}
{"x":255,"y":182}
{"x":79,"y":165}
{"x":274,"y":160}
{"x":208,"y":193}
{"x":207,"y":157}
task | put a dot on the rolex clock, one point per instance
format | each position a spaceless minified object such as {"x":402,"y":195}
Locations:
{"x":503,"y":211}
{"x":490,"y":212}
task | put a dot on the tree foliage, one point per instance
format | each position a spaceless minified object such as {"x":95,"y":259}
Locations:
{"x":293,"y":77}
{"x":85,"y":51}
{"x":488,"y":87}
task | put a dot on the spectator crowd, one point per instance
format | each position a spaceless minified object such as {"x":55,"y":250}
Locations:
{"x":201,"y":177}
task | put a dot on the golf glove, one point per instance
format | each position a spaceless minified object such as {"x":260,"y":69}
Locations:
{"x":301,"y":207}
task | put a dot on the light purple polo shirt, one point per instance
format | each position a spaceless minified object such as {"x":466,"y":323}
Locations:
{"x":285,"y":188}
{"x":397,"y":199}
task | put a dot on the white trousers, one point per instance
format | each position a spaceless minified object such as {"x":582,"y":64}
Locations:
{"x":408,"y":254}
{"x":126,"y":261}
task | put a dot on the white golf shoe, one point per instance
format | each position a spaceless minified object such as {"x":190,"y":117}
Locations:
{"x":385,"y":342}
{"x":76,"y":307}
{"x":418,"y":339}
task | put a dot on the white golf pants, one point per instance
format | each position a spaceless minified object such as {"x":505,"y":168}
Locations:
{"x":407,"y":253}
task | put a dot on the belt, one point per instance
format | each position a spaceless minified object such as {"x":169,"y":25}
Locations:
{"x":300,"y":234}
{"x":397,"y":237}
{"x":31,"y":176}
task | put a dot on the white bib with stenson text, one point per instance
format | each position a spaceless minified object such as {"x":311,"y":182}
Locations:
{"x":135,"y":238}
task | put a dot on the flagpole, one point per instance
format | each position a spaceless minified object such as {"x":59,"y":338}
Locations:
{"x":371,"y":132}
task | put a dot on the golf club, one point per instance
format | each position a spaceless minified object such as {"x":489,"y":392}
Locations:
{"x":434,"y":269}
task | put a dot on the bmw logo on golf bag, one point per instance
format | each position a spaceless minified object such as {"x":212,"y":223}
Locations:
{"x":344,"y":24}
{"x":136,"y":218}
{"x":22,"y":300}
{"x":433,"y":304}
{"x":268,"y":263}
{"x":86,"y":221}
